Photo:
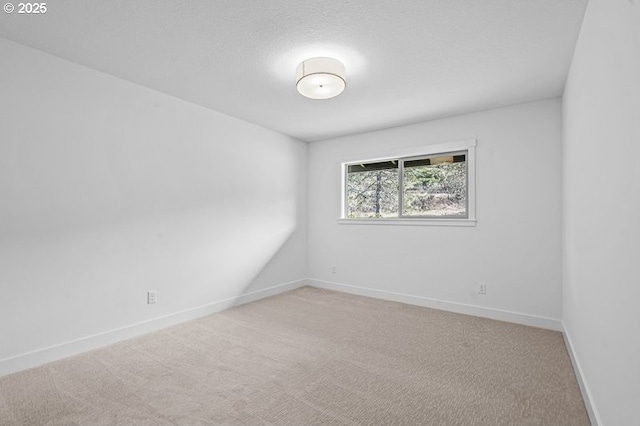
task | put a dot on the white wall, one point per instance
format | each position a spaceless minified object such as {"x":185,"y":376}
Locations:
{"x":602,"y":208}
{"x":108,"y":189}
{"x":515,"y":247}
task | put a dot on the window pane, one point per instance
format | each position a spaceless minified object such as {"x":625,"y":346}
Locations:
{"x":435,"y":186}
{"x":372,"y":190}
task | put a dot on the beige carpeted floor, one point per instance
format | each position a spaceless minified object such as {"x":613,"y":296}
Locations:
{"x":310,"y":356}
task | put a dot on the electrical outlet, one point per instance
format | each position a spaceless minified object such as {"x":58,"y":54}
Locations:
{"x":333,"y":269}
{"x":152,"y":297}
{"x":482,"y":288}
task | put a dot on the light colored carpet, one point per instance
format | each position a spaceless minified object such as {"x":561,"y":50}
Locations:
{"x":310,"y":356}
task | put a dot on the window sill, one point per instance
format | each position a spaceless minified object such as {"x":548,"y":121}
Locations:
{"x":409,"y":222}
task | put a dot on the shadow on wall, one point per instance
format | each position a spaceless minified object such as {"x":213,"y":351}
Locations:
{"x":60,"y":287}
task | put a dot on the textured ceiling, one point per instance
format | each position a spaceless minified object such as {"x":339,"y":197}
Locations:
{"x":406,"y":61}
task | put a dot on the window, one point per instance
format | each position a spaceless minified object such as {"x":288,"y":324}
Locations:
{"x":436,"y":185}
{"x":372,"y":189}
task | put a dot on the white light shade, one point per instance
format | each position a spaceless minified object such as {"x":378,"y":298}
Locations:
{"x":320,"y":78}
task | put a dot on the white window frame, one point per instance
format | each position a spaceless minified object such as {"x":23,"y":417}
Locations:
{"x":468,"y":146}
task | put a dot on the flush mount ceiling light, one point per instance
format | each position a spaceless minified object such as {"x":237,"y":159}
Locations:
{"x":320,"y":78}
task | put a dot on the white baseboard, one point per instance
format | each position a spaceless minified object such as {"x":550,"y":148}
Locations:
{"x":594,"y":417}
{"x":84,"y":344}
{"x":427,"y":302}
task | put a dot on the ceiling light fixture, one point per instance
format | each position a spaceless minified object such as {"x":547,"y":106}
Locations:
{"x":320,"y":78}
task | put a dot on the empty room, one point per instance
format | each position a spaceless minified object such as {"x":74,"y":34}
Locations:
{"x":343,"y":212}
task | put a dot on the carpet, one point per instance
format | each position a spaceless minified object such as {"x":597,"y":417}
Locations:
{"x":310,"y":356}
